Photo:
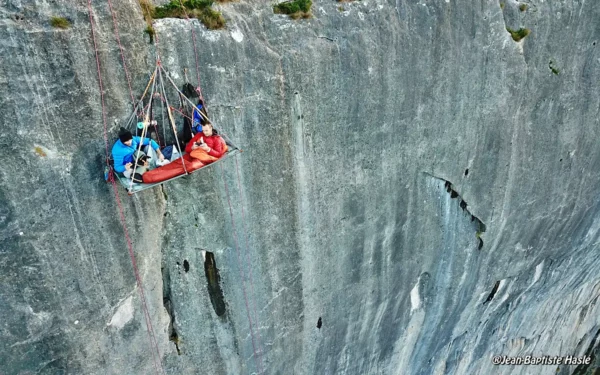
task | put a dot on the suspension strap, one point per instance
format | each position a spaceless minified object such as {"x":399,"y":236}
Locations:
{"x":146,"y":121}
{"x":171,"y":120}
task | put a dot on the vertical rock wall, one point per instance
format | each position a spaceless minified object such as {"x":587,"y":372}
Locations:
{"x":417,"y":192}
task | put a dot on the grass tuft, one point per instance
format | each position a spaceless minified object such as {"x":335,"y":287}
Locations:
{"x":295,"y":9}
{"x":523,"y":7}
{"x":200,"y":9}
{"x":60,"y":22}
{"x":517,"y":35}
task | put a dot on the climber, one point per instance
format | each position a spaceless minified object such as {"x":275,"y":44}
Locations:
{"x":206,"y":146}
{"x":126,"y":146}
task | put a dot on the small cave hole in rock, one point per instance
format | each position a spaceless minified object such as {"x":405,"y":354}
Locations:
{"x":493,"y":293}
{"x":186,"y":265}
{"x":214,"y":283}
{"x":319,"y":323}
{"x":463,"y":205}
{"x":467,"y":172}
{"x":560,"y":160}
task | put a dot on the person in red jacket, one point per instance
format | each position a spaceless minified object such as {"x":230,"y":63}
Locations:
{"x":206,"y":146}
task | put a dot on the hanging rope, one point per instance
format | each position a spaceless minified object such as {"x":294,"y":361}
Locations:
{"x":171,"y":120}
{"x":146,"y":121}
{"x":198,"y":88}
{"x":153,"y":343}
{"x":159,"y":68}
{"x":248,"y":260}
{"x":260,"y":367}
{"x":257,"y":359}
{"x":121,"y":50}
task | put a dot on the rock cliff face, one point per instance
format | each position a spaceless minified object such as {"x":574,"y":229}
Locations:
{"x":418,"y":192}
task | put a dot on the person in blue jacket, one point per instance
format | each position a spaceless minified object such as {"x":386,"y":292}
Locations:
{"x":126,"y":146}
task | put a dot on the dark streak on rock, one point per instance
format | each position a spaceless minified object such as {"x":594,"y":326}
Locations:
{"x":214,"y":287}
{"x":592,"y":351}
{"x":493,"y":292}
{"x":173,"y":336}
{"x":463,"y":204}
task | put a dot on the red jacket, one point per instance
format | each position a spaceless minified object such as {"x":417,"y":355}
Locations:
{"x":215,"y":142}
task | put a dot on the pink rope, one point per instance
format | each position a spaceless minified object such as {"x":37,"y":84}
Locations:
{"x":198,"y":88}
{"x":237,"y":248}
{"x":121,"y":50}
{"x":153,"y":343}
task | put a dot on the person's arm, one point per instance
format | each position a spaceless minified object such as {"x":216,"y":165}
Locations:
{"x":188,"y":147}
{"x":119,"y":167}
{"x":146,"y":141}
{"x":118,"y":161}
{"x":218,"y":150}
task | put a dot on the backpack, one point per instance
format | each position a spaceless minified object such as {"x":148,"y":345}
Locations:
{"x":189,"y":91}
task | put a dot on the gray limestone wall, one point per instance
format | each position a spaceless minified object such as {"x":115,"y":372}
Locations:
{"x":417,"y":192}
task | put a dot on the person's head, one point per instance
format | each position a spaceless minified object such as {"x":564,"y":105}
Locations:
{"x":125,"y":136}
{"x":207,"y":129}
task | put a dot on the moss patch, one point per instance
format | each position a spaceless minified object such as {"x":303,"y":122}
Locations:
{"x":523,"y":7}
{"x":151,"y":32}
{"x":60,"y":22}
{"x":295,"y":9}
{"x":38,"y":150}
{"x":517,"y":35}
{"x":200,"y":9}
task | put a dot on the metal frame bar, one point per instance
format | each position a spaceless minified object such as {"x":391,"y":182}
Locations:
{"x":141,"y":187}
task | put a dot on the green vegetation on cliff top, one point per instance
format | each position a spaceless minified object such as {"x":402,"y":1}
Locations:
{"x":200,"y":9}
{"x":295,"y":9}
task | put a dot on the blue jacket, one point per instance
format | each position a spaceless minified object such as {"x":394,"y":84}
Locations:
{"x":197,"y":118}
{"x":123,"y":154}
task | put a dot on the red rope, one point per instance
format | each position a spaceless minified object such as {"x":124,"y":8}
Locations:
{"x":121,"y":50}
{"x":157,"y":361}
{"x":198,"y":88}
{"x":237,"y":248}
